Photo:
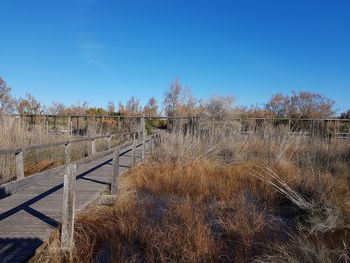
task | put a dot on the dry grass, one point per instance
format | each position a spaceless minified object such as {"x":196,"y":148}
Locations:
{"x":14,"y":134}
{"x":220,"y":196}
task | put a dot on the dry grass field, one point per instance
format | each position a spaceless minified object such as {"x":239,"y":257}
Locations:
{"x":224,"y":197}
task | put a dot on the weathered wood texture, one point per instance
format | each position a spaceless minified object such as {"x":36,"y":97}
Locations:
{"x":68,"y":210}
{"x":143,"y":129}
{"x":115,"y":171}
{"x":19,"y":165}
{"x":32,"y":213}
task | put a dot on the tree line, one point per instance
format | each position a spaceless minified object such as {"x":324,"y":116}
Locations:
{"x":180,"y":102}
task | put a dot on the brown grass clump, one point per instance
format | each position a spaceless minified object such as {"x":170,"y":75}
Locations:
{"x":199,"y":212}
{"x":225,"y":197}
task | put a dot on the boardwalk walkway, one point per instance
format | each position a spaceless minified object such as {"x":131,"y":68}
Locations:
{"x":29,"y":216}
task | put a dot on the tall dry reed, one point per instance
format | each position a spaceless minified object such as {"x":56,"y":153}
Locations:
{"x":219,"y":195}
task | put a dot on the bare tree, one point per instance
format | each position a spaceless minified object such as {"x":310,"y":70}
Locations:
{"x":219,"y":107}
{"x":111,"y":107}
{"x":345,"y":115}
{"x":279,"y":105}
{"x":74,"y":109}
{"x":79,"y":108}
{"x":121,"y":108}
{"x":7,"y":102}
{"x":311,"y":105}
{"x":188,"y":104}
{"x":132,"y":107}
{"x":57,"y":108}
{"x":172,"y":98}
{"x":151,"y":108}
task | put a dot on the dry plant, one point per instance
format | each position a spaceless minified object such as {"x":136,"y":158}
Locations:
{"x":15,"y":133}
{"x":219,"y":195}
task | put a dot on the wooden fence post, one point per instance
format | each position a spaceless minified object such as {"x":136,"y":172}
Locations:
{"x":118,"y":123}
{"x":109,"y":141}
{"x":93,"y":147}
{"x":69,"y":125}
{"x":19,"y":165}
{"x":289,"y":126}
{"x":68,"y":211}
{"x":143,"y":139}
{"x":115,"y":171}
{"x":67,"y":153}
{"x":134,"y":151}
{"x":152,"y":142}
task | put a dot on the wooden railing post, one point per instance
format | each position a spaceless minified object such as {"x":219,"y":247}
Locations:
{"x":68,"y":211}
{"x":134,"y":151}
{"x":289,"y":126}
{"x":119,"y":123}
{"x":109,"y":141}
{"x":143,"y":139}
{"x":19,"y":165}
{"x":115,"y":171}
{"x":151,"y":143}
{"x":67,"y":153}
{"x":93,"y":147}
{"x":69,"y":125}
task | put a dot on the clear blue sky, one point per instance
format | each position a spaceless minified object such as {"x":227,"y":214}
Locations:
{"x":105,"y":50}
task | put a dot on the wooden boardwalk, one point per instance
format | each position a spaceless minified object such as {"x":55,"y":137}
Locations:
{"x":29,"y":216}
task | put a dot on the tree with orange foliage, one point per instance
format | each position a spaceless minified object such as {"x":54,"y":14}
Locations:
{"x":151,"y":108}
{"x":171,"y":101}
{"x":29,"y":105}
{"x":131,"y":108}
{"x":178,"y":101}
{"x":279,"y":105}
{"x":96,"y":111}
{"x":302,"y":105}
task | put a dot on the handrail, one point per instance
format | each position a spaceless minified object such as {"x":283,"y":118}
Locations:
{"x":282,"y":119}
{"x":69,"y":193}
{"x":60,"y":143}
{"x":99,"y":116}
{"x":18,"y":152}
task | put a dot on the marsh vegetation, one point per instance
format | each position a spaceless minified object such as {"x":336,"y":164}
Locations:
{"x":223,"y":196}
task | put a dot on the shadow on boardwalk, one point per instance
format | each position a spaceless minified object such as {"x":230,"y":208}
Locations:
{"x":30,"y":215}
{"x":52,"y":222}
{"x":18,"y":244}
{"x":11,"y":249}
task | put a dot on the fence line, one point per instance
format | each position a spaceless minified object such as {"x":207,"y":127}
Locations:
{"x":19,"y":151}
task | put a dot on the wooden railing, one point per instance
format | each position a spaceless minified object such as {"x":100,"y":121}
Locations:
{"x":334,"y":128}
{"x":67,"y":231}
{"x":19,"y":151}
